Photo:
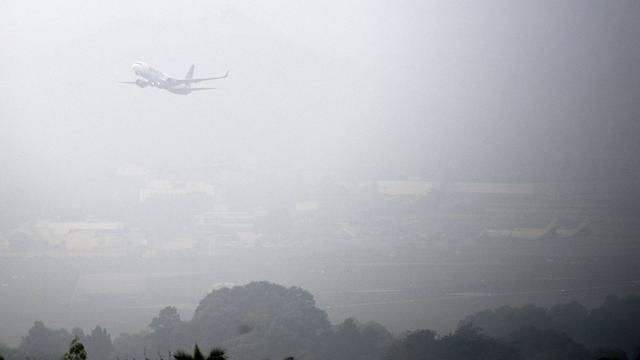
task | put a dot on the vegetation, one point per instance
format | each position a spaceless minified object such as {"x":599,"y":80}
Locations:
{"x":466,"y":343}
{"x":8,"y":353}
{"x":43,"y":343}
{"x":214,"y":354}
{"x":76,"y":351}
{"x":262,"y":320}
{"x":534,"y":343}
{"x":613,"y":325}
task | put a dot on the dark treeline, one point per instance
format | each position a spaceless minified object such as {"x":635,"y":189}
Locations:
{"x":615,"y":324}
{"x":267,"y":321}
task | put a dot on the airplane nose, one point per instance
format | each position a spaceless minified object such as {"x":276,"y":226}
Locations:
{"x":135,"y":68}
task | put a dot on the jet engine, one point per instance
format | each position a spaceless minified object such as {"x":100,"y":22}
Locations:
{"x":142,"y":83}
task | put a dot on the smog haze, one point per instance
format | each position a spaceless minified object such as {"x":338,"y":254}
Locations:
{"x":409,"y":164}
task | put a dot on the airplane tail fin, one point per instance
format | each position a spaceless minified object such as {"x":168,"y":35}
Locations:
{"x":189,"y":75}
{"x":549,"y":231}
{"x":190,"y":72}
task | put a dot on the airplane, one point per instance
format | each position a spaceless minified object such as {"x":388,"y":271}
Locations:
{"x":582,"y":228}
{"x":148,"y":76}
{"x":524,"y":233}
{"x":551,"y":231}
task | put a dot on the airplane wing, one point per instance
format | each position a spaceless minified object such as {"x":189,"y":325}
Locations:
{"x":139,"y":83}
{"x":192,"y":81}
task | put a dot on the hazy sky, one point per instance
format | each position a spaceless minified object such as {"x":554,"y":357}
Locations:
{"x":495,"y":90}
{"x":316,"y":85}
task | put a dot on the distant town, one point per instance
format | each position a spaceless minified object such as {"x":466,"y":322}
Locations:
{"x":175,"y":217}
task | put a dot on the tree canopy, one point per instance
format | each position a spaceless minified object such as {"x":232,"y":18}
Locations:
{"x":76,"y":351}
{"x":262,"y":320}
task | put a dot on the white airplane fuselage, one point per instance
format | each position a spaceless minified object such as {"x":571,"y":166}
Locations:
{"x":156,"y":78}
{"x":149,"y":76}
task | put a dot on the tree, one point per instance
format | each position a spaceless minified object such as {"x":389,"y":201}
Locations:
{"x":504,"y":320}
{"x":130,"y":346}
{"x":354,"y":341}
{"x":43,"y":343}
{"x":612,"y":325}
{"x":169,"y":332}
{"x":570,"y":318}
{"x":536,"y":343}
{"x":76,"y":351}
{"x":282,"y":321}
{"x":465,"y":343}
{"x":167,"y":320}
{"x":99,"y":345}
{"x":615,"y":323}
{"x":214,"y":354}
{"x":8,"y":353}
{"x":413,"y":345}
{"x":609,"y":354}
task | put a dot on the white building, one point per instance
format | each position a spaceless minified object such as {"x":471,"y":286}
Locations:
{"x":80,"y":235}
{"x":165,"y":189}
